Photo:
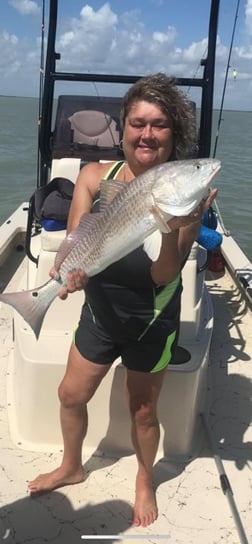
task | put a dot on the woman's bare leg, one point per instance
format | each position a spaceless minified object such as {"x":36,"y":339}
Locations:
{"x":143,"y":391}
{"x":80,"y":382}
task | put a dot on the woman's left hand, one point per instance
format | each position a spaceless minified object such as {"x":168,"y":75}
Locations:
{"x":195,"y":216}
{"x":76,"y":280}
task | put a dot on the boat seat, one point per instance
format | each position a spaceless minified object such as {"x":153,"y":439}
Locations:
{"x":87,"y":127}
{"x":66,"y":167}
{"x":69,"y":168}
{"x":93,"y":127}
{"x":51,"y":240}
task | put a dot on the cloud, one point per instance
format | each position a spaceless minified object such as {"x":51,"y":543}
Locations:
{"x":25,"y":7}
{"x":19,"y":65}
{"x":9,"y":61}
{"x":165,"y":37}
{"x":103,"y":41}
{"x":96,"y":19}
{"x":248,"y":15}
{"x":89,"y":38}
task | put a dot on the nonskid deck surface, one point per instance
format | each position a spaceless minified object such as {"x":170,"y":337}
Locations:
{"x":192,"y":507}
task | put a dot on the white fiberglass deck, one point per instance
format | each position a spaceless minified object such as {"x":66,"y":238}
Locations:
{"x":192,"y":507}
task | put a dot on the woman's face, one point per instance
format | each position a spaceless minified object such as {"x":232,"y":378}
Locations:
{"x":147,"y":137}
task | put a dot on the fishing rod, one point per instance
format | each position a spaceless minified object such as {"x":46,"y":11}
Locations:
{"x":30,"y":218}
{"x":225,"y":231}
{"x":224,"y":482}
{"x":41,"y":83}
{"x":226,"y":77}
{"x":196,"y":70}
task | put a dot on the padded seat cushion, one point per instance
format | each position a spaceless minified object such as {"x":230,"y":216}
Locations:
{"x":51,"y":240}
{"x":94,"y":128}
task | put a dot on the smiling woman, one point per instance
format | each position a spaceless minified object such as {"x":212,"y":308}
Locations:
{"x":187,"y":350}
{"x":121,"y":316}
{"x":168,"y":112}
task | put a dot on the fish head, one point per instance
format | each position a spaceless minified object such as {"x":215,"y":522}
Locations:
{"x":180,"y":186}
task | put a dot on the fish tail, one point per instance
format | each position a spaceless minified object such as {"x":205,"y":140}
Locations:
{"x":33,"y":304}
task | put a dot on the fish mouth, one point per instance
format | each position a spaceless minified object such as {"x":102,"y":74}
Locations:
{"x":215,"y":169}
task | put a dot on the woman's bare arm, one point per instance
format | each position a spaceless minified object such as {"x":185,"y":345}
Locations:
{"x":87,"y":185}
{"x":177,"y":244}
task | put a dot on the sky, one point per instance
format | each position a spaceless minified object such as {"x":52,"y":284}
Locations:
{"x":128,"y":37}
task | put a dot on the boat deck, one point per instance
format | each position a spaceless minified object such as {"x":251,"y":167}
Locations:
{"x":192,"y":507}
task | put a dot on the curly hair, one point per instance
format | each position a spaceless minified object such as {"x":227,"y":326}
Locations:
{"x":162,"y":90}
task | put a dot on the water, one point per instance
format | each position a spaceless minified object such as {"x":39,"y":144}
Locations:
{"x":18,"y":154}
{"x":235,"y":179}
{"x":18,"y":151}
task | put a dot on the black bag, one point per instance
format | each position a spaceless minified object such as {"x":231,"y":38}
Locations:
{"x":54,"y":199}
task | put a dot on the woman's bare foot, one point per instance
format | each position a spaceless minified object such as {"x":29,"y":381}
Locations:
{"x":52,"y":480}
{"x":145,"y":508}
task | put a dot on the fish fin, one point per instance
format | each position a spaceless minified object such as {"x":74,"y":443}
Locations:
{"x":108,"y":190}
{"x":152,"y":245}
{"x":87,"y":222}
{"x":33,"y":304}
{"x":161,"y":219}
{"x":65,"y":247}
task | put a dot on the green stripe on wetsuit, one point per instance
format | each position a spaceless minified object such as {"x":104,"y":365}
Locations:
{"x":160,"y":302}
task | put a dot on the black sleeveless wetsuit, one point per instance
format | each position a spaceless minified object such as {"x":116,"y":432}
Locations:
{"x":125,"y":314}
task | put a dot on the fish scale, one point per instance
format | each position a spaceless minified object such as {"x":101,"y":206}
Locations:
{"x":121,"y":228}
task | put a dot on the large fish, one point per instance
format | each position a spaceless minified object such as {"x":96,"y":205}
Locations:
{"x":131,"y":214}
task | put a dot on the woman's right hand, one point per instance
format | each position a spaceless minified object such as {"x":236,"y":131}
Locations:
{"x":76,"y":280}
{"x":195,"y":216}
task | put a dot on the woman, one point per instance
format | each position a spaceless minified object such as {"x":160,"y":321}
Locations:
{"x":117,"y":317}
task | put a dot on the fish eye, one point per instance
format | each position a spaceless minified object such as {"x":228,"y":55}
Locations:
{"x":198,"y":166}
